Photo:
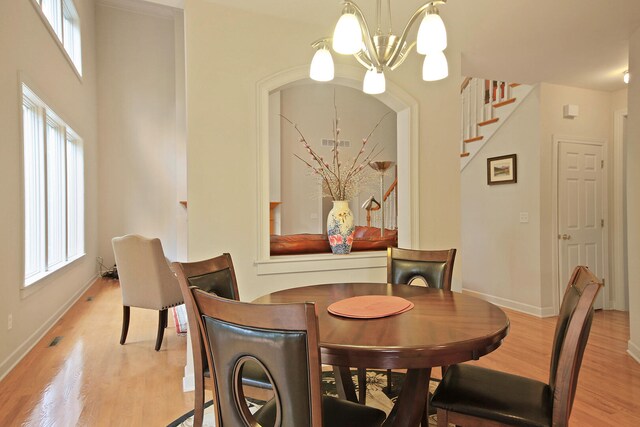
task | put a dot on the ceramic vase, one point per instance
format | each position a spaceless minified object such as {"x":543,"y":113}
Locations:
{"x":340,"y":227}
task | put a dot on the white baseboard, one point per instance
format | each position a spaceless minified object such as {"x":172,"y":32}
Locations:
{"x":513,"y":305}
{"x":14,"y":358}
{"x":633,"y":350}
{"x":188,"y":382}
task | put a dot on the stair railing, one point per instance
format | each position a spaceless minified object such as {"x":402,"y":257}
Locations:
{"x":478,"y":99}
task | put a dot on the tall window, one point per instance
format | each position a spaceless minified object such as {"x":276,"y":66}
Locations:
{"x":53,"y":190}
{"x":65,"y":23}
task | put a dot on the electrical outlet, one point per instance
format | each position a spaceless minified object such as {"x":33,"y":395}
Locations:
{"x":524,"y":217}
{"x":10,"y":322}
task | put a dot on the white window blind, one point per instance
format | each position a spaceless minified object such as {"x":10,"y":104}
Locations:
{"x":53,"y":190}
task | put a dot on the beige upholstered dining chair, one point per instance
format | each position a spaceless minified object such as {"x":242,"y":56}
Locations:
{"x":146,"y":281}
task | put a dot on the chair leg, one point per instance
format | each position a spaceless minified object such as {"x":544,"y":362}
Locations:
{"x":362,"y":386}
{"x":388,"y":382}
{"x":198,"y":412}
{"x":443,"y":418}
{"x":162,"y":321}
{"x":125,"y":323}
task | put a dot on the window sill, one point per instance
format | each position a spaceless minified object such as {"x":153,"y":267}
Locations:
{"x":34,"y":284}
{"x":320,"y":262}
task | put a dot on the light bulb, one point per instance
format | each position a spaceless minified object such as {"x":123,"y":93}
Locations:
{"x":432,"y":35}
{"x":322,"y":69}
{"x":374,"y":82}
{"x":435,"y":67}
{"x":347,"y":37}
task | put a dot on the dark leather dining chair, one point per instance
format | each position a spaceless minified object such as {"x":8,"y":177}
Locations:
{"x":434,"y":267}
{"x":406,"y":265}
{"x":215,"y":275}
{"x":470,"y":395}
{"x":283,"y":340}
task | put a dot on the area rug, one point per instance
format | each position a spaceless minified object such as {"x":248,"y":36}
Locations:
{"x":377,"y":396}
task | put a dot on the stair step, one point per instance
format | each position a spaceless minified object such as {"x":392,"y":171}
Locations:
{"x":514,"y":84}
{"x":464,"y":154}
{"x":488,"y":122}
{"x":477,"y":138}
{"x":503,"y":103}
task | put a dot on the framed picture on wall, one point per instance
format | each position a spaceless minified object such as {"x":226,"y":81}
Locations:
{"x":502,"y":170}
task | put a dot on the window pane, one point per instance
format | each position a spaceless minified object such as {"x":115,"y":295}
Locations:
{"x":56,"y":195}
{"x":75,"y":199}
{"x":33,"y":191}
{"x":71,"y":31}
{"x":52,"y":10}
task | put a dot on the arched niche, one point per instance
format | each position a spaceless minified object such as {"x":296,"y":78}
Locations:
{"x":406,"y":108}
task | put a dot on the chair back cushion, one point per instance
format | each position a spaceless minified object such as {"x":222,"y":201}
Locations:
{"x":435,"y":267}
{"x":145,"y":278}
{"x":217,"y":282}
{"x":570,"y":339}
{"x":283,"y":355}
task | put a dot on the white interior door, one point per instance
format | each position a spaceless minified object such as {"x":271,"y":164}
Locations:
{"x":580,"y":211}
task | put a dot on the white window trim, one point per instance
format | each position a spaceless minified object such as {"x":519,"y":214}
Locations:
{"x":406,"y":108}
{"x":28,"y":287}
{"x":53,"y":34}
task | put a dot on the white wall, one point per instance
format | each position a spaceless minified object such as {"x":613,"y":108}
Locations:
{"x":141,"y":121}
{"x":221,"y":111}
{"x":633,"y":194}
{"x":28,"y":47}
{"x":311,"y":107}
{"x":519,"y":257}
{"x":595,"y":121}
{"x":501,"y":254}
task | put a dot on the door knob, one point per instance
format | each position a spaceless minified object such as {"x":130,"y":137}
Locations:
{"x":566,"y":237}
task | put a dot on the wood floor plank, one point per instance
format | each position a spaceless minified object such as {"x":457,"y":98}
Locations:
{"x":89,"y":379}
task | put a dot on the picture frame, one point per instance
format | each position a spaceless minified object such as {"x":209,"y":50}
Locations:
{"x":502,"y":170}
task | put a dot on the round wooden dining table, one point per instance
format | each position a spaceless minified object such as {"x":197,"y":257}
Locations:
{"x":443,"y":328}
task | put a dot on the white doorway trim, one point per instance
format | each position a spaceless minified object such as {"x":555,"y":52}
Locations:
{"x":618,"y":298}
{"x":557,"y":287}
{"x":397,"y":99}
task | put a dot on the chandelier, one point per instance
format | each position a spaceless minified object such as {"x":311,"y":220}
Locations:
{"x":383,"y":50}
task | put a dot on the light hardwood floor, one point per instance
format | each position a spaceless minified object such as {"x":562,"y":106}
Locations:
{"x":89,"y":379}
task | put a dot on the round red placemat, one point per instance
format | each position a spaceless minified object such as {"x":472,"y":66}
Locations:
{"x":370,"y":306}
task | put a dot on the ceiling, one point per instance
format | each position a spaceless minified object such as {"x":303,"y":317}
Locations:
{"x":582,"y":43}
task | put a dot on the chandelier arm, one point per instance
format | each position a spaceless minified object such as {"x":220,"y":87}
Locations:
{"x":403,"y":55}
{"x":364,"y":27}
{"x":403,"y":38}
{"x":363,"y":59}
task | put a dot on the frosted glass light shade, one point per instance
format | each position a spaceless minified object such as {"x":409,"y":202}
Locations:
{"x":322,"y":69}
{"x":374,"y":82}
{"x":347,"y":37}
{"x":435,"y":67}
{"x":625,"y":77}
{"x":432,"y":35}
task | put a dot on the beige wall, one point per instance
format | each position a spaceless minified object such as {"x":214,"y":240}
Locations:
{"x":519,"y":257}
{"x":222,"y":151}
{"x":139,"y":121}
{"x":594,"y":121}
{"x":633,"y":195}
{"x":501,"y":254}
{"x":27,"y":47}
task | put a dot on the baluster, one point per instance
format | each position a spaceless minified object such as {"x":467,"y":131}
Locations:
{"x":480,"y":101}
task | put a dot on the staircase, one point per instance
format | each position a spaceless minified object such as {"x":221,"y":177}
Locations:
{"x":486,"y":105}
